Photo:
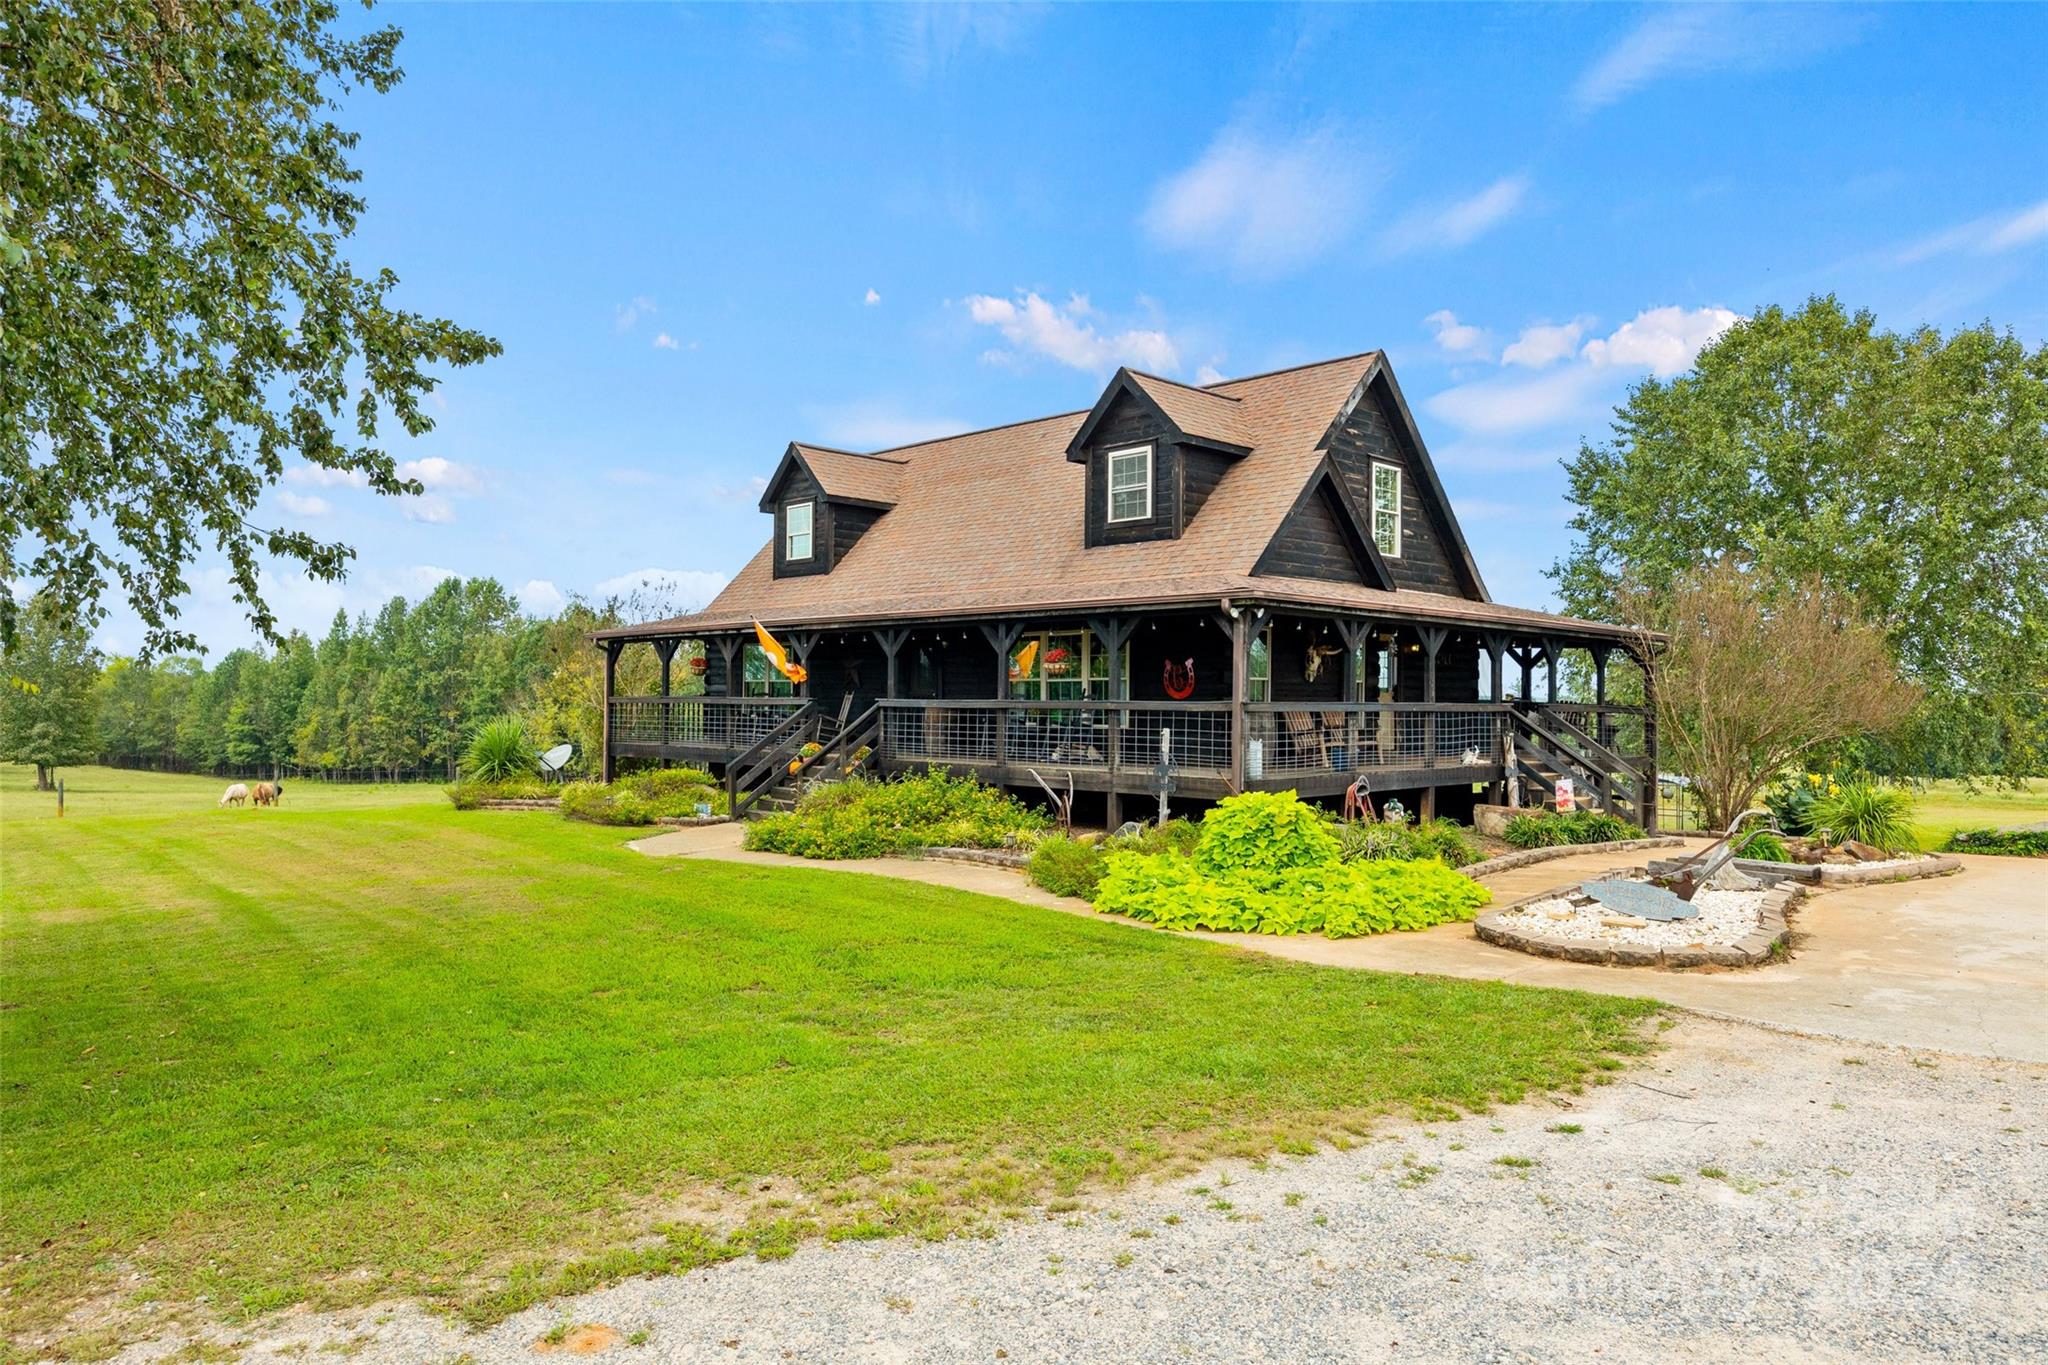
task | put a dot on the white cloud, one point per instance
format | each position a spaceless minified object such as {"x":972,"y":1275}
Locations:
{"x":664,"y":342}
{"x":540,"y":597}
{"x":1691,"y":40}
{"x":318,"y":476}
{"x":1456,"y":338}
{"x":1209,"y":374}
{"x":303,"y":505}
{"x":431,"y":508}
{"x":1661,"y":340}
{"x":876,"y":424}
{"x":682,"y":589}
{"x":1263,"y":205}
{"x":443,"y":476}
{"x":1454,"y":225}
{"x":1067,"y":334}
{"x":1987,"y":236}
{"x":931,"y":37}
{"x":871,"y":298}
{"x":1497,"y":407}
{"x":1544,"y":344}
{"x":627,"y":314}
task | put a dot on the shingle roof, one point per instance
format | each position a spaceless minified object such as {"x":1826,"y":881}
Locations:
{"x":991,"y":521}
{"x":855,"y":478}
{"x":1204,"y":414}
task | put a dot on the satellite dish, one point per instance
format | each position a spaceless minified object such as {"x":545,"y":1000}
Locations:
{"x":554,"y":760}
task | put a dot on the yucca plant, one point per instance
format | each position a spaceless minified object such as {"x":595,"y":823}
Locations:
{"x":1879,"y":816}
{"x":500,"y":751}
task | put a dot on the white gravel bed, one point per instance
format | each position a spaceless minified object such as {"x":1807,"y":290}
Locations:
{"x":1725,"y":917}
{"x":1887,"y":1210}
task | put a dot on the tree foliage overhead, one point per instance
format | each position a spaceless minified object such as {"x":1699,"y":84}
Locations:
{"x":1909,"y":472}
{"x":176,"y":312}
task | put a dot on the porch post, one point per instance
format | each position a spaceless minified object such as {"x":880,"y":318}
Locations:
{"x":665,"y":650}
{"x":729,"y":656}
{"x":1114,"y":633}
{"x":1526,"y":657}
{"x":1354,"y":635}
{"x":1433,"y":638}
{"x":1648,"y":803}
{"x":1496,"y":651}
{"x":1552,"y":647}
{"x":607,"y":769}
{"x":1240,"y":685}
{"x":1002,"y":637}
{"x":1600,"y":726}
{"x":801,"y":643}
{"x":891,"y":642}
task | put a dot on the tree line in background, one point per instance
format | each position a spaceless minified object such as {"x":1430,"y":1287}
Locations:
{"x":396,"y":693}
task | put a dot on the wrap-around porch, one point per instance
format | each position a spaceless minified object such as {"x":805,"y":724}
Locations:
{"x":1234,"y":697}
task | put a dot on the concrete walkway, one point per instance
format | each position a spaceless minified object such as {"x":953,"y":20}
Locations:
{"x":1953,"y":964}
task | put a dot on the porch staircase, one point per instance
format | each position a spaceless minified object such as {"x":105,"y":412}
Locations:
{"x":770,"y":776}
{"x":1544,"y":747}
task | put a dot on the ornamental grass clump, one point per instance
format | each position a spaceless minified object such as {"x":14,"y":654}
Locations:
{"x":1066,"y":866}
{"x":1879,"y":816}
{"x":500,"y":751}
{"x":1541,"y":829}
{"x":1266,"y":863}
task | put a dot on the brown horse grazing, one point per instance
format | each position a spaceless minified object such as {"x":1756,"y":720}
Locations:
{"x":268,"y":793}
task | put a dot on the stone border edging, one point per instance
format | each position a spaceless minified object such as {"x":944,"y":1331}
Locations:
{"x":1852,"y":874}
{"x":1487,"y":867}
{"x":992,"y":857}
{"x":520,"y":803}
{"x":1754,"y":949}
{"x":692,"y":821}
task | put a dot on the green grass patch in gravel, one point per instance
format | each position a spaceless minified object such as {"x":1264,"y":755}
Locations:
{"x":367,"y":1045}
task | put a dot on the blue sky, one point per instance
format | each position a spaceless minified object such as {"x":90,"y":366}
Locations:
{"x":701,"y":233}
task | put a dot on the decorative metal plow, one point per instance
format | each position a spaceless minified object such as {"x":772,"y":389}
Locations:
{"x":1640,"y":899}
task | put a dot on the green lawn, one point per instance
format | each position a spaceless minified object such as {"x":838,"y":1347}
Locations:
{"x":1942,"y":808}
{"x":367,"y":1045}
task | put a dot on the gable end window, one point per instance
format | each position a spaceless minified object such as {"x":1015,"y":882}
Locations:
{"x":1130,"y":484}
{"x":796,"y":531}
{"x":1386,"y":509}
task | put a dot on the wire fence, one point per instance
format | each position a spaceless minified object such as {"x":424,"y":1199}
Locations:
{"x":275,"y":772}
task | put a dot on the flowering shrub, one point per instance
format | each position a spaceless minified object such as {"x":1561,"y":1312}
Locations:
{"x":1266,"y":863}
{"x":1791,"y":802}
{"x":864,"y":818}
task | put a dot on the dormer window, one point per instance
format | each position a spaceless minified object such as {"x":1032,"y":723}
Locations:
{"x":1130,"y":484}
{"x":796,"y":531}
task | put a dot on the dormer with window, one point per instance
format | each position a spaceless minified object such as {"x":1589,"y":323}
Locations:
{"x":823,"y":501}
{"x":1154,"y":451}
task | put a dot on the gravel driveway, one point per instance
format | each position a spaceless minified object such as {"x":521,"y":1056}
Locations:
{"x":1858,"y":1202}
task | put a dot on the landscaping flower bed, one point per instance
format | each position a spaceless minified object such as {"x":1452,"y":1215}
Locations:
{"x":864,"y":818}
{"x":645,"y":798}
{"x":1736,"y":926}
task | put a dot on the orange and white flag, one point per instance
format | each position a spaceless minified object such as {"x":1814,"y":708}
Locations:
{"x":779,"y":656}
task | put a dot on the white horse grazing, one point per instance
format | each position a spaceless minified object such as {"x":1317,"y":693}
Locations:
{"x":235,"y":795}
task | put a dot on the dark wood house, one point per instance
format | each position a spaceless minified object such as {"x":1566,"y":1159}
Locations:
{"x":1253,"y":584}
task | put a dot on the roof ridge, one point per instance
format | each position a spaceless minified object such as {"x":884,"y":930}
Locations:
{"x":856,"y":454}
{"x":1209,"y":389}
{"x":1284,"y":369}
{"x":1194,"y":388}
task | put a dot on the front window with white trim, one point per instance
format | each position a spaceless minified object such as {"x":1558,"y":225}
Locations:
{"x":1130,"y":484}
{"x":1386,"y":509}
{"x":796,"y":531}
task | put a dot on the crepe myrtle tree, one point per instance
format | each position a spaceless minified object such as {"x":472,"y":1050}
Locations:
{"x":177,"y":316}
{"x":1757,"y":672}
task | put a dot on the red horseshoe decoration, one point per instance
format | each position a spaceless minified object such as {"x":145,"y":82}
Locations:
{"x":1179,"y":680}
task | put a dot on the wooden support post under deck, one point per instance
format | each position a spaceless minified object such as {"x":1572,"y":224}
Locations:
{"x":1433,"y":638}
{"x":611,"y":678}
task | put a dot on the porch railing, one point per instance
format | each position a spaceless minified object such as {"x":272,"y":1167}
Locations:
{"x":1084,"y":735}
{"x":731,"y":724}
{"x":1297,"y":740}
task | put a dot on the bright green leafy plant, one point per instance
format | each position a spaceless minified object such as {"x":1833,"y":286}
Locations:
{"x":644,"y":798}
{"x":863,"y":818}
{"x":2016,"y":843}
{"x":1763,"y":847}
{"x":1538,"y":829}
{"x":1266,"y":863}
